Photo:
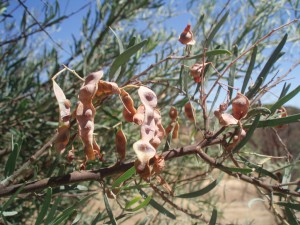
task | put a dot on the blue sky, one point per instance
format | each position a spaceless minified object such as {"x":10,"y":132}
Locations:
{"x":176,"y":23}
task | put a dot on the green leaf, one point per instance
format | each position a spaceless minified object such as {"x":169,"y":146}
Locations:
{"x":231,"y":77}
{"x":209,"y":53}
{"x":70,"y":211}
{"x":125,"y":176}
{"x":216,"y":29}
{"x":12,"y":198}
{"x":9,"y":213}
{"x":142,"y":205}
{"x":264,"y":73}
{"x":124,"y":57}
{"x":291,"y":216}
{"x":108,"y":209}
{"x":132,"y":202}
{"x":278,"y":121}
{"x":285,"y":99}
{"x":45,"y":207}
{"x":248,"y":135}
{"x":158,"y":206}
{"x":289,"y":205}
{"x":258,"y":111}
{"x":53,"y":209}
{"x":249,"y":70}
{"x":239,"y":170}
{"x":257,"y":168}
{"x":213,"y":218}
{"x":284,"y":90}
{"x":203,"y":191}
{"x":11,"y":161}
{"x":121,"y":50}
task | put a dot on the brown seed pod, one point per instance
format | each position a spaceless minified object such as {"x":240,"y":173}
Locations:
{"x":121,"y":142}
{"x":107,"y":88}
{"x":175,"y":131}
{"x":169,"y":128}
{"x":196,"y":72}
{"x":225,"y":119}
{"x":189,"y":111}
{"x":155,"y":142}
{"x":143,"y":170}
{"x":283,"y":113}
{"x":159,"y":164}
{"x":129,"y":109}
{"x":64,"y":118}
{"x":138,"y":117}
{"x":187,"y":37}
{"x":173,"y":114}
{"x":85,"y":113}
{"x":240,"y":106}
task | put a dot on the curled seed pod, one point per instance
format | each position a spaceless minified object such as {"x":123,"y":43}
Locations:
{"x":107,"y":88}
{"x":175,"y":131}
{"x":138,"y":117}
{"x":159,"y":164}
{"x":283,"y":113}
{"x":196,"y":72}
{"x":148,"y":97}
{"x":189,"y":111}
{"x":129,"y":109}
{"x":85,"y":113}
{"x":64,"y":119}
{"x":143,"y":170}
{"x":225,"y":119}
{"x":187,"y":37}
{"x":121,"y":145}
{"x":173,"y":114}
{"x":155,"y":142}
{"x":240,"y":106}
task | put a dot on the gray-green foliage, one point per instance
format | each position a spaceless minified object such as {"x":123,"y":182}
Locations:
{"x":29,"y":114}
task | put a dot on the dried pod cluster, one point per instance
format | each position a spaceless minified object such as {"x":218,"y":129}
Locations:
{"x":152,"y":131}
{"x":240,"y":108}
{"x":85,"y":113}
{"x":129,"y":109}
{"x":187,"y":37}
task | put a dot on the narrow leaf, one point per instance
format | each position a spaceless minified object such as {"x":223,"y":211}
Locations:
{"x":52,"y":212}
{"x":158,"y":206}
{"x":203,"y":191}
{"x":285,"y":99}
{"x":108,"y":209}
{"x":129,"y":173}
{"x":132,"y":202}
{"x":121,"y":50}
{"x":12,"y":198}
{"x":264,"y":73}
{"x":239,"y":170}
{"x":231,"y":77}
{"x":291,"y":217}
{"x":289,"y":205}
{"x":142,"y":205}
{"x":213,"y":218}
{"x":278,"y":121}
{"x":249,"y":70}
{"x":124,"y":57}
{"x":216,"y":29}
{"x":45,"y":207}
{"x":257,"y":168}
{"x":285,"y":89}
{"x":12,"y":159}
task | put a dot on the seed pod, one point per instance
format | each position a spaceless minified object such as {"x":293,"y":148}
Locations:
{"x":129,"y":110}
{"x":196,"y":72}
{"x":240,"y":106}
{"x":225,"y":119}
{"x":138,"y":117}
{"x":159,"y":164}
{"x":189,"y":111}
{"x":283,"y":113}
{"x":85,"y":113}
{"x":187,"y":37}
{"x":121,"y":145}
{"x":175,"y":131}
{"x":155,"y":142}
{"x":173,"y":113}
{"x":107,"y":88}
{"x":169,"y":128}
{"x":64,"y":119}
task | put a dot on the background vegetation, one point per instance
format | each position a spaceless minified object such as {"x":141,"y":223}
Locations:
{"x":262,"y":42}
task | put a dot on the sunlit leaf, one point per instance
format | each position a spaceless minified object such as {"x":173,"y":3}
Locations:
{"x":209,"y":53}
{"x":125,"y":176}
{"x":249,"y":70}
